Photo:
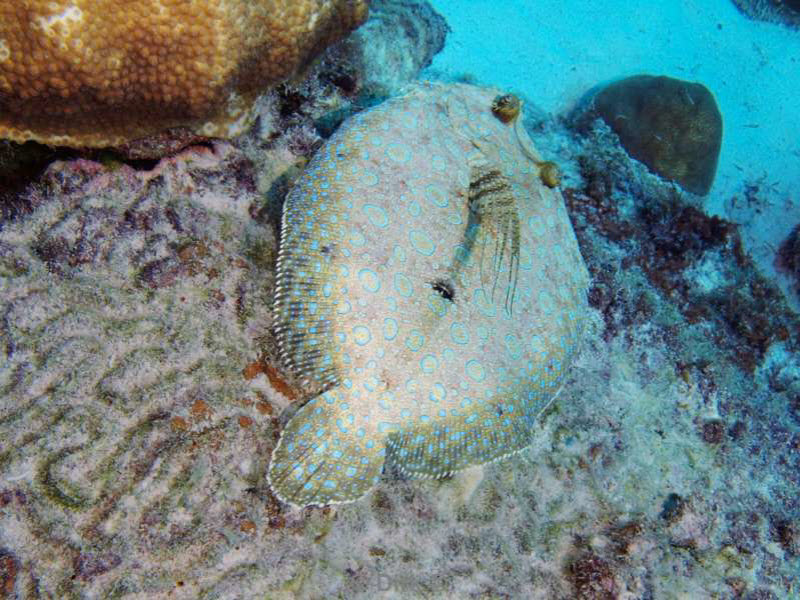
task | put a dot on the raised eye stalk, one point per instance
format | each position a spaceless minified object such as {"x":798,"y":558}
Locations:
{"x":507,"y":107}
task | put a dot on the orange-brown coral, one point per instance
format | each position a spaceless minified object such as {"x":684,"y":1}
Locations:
{"x":103,"y":72}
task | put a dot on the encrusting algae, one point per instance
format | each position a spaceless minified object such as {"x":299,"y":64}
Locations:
{"x":105,"y":72}
{"x":384,"y":299}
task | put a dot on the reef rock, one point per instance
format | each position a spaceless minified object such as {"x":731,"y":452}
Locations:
{"x":399,"y":38}
{"x":672,"y":126}
{"x":430,"y":282}
{"x":787,"y":259}
{"x":103,"y":72}
{"x":785,"y":12}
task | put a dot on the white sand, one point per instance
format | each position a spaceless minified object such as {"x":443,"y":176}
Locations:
{"x":554,"y":51}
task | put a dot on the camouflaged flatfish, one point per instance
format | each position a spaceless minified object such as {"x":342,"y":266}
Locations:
{"x":431,"y":285}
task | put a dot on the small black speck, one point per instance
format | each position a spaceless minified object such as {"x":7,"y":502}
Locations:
{"x":444,"y":289}
{"x":673,"y":507}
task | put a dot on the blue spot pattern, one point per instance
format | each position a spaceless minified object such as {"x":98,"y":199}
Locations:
{"x":383,"y":301}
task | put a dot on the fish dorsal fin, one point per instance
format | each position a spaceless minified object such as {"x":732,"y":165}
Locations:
{"x":303,"y":307}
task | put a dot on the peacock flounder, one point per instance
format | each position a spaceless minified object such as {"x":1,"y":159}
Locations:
{"x":432,"y":285}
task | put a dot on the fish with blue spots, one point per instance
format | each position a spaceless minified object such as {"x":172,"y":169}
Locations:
{"x":429,"y":283}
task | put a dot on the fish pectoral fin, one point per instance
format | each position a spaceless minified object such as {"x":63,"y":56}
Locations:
{"x":492,"y":201}
{"x":322,"y":458}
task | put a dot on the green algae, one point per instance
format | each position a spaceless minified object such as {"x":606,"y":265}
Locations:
{"x":48,"y":418}
{"x":238,"y":577}
{"x":261,"y":252}
{"x":58,"y":491}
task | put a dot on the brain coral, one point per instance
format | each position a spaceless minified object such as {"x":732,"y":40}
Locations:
{"x":103,"y":72}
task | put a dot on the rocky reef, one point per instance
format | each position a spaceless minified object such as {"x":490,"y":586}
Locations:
{"x":672,"y":126}
{"x":785,"y":12}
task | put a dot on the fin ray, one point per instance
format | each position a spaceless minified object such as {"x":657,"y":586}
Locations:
{"x":317,"y":462}
{"x":431,"y":452}
{"x":492,"y":200}
{"x":304,"y":308}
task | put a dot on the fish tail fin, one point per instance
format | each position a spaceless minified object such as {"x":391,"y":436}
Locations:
{"x":322,"y":457}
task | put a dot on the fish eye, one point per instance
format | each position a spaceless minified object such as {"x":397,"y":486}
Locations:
{"x":506,"y":107}
{"x":444,"y":288}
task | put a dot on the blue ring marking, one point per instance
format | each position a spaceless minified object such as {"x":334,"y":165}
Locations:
{"x":483,"y":303}
{"x":377,"y":215}
{"x":428,"y":363}
{"x":525,"y":260}
{"x":513,"y":346}
{"x":369,"y":178}
{"x":475,"y":370}
{"x":415,"y":340}
{"x":398,"y":152}
{"x":421,"y":242}
{"x":546,"y":302}
{"x":435,"y":195}
{"x":438,"y":305}
{"x":390,"y":329}
{"x":362,"y":335}
{"x":369,"y":280}
{"x":459,"y":333}
{"x":454,"y":218}
{"x":403,"y":285}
